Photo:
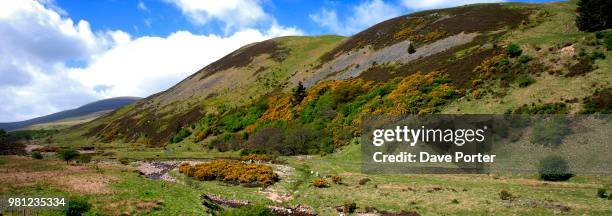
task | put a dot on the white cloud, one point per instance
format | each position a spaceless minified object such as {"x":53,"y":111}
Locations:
{"x":431,"y":4}
{"x":39,"y":49}
{"x":141,"y":6}
{"x":362,"y":16}
{"x":235,"y":14}
{"x":147,"y":65}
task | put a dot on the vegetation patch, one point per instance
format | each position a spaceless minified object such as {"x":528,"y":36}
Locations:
{"x":232,"y":172}
{"x":545,"y":109}
{"x":244,"y":57}
{"x":600,"y":102}
{"x":320,"y":183}
{"x":429,"y":26}
{"x":583,"y":66}
{"x":554,"y":168}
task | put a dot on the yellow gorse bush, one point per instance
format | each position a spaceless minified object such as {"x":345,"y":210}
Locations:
{"x":232,"y":172}
{"x":320,"y":183}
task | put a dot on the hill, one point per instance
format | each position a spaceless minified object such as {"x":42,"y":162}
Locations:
{"x":483,"y":58}
{"x":81,"y":114}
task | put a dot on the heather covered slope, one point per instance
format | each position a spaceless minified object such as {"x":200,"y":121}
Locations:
{"x":440,"y":61}
{"x":250,"y":72}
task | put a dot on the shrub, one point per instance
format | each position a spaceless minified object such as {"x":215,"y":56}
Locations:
{"x":476,"y":94}
{"x":597,"y":55}
{"x":347,"y":91}
{"x":184,"y":168}
{"x":554,"y":168}
{"x":549,"y":108}
{"x":336,"y":179}
{"x":201,"y":136}
{"x":525,"y":80}
{"x":601,"y":193}
{"x":514,"y":50}
{"x":232,"y":172}
{"x":320,"y":183}
{"x":68,"y":154}
{"x":524,"y":59}
{"x":77,"y":207}
{"x":180,"y":135}
{"x":505,"y":195}
{"x":37,"y":155}
{"x":607,"y":41}
{"x":599,"y":102}
{"x":364,"y":181}
{"x":593,"y":15}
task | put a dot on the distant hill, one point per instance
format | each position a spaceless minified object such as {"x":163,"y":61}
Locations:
{"x":91,"y":109}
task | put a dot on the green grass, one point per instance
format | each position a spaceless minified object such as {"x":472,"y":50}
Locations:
{"x":476,"y":194}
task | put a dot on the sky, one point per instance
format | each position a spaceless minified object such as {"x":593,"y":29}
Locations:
{"x":61,"y":54}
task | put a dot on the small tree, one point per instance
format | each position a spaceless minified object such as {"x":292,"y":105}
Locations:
{"x":299,"y":93}
{"x":68,"y":154}
{"x":594,"y":15}
{"x":37,"y":155}
{"x":411,"y":49}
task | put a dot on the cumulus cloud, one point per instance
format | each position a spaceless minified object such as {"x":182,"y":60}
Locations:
{"x":39,"y":47}
{"x":146,"y":65}
{"x":233,"y":13}
{"x":362,"y":16}
{"x":431,"y":4}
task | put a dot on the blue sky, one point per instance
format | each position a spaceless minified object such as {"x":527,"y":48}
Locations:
{"x":161,"y":18}
{"x":60,"y":54}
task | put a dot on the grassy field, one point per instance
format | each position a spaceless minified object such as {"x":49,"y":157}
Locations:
{"x":114,"y":189}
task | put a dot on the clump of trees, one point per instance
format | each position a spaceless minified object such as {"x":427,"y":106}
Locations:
{"x":594,"y":15}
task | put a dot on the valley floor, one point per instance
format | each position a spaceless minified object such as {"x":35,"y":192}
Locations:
{"x":115,"y":189}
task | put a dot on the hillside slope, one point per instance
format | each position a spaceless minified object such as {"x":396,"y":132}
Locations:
{"x":441,"y":61}
{"x":105,"y":105}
